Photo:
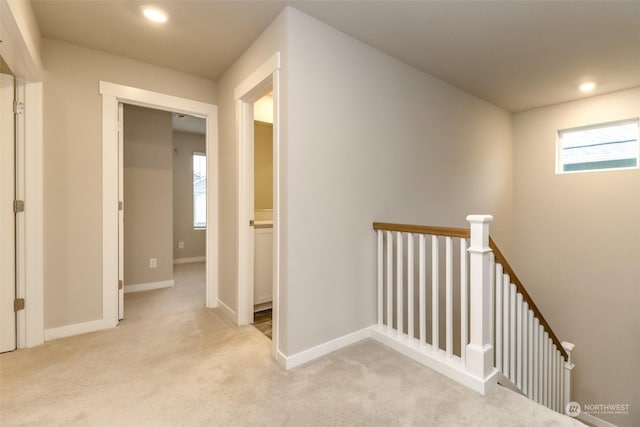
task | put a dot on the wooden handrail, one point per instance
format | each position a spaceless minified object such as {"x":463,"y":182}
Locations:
{"x":499,"y":257}
{"x":423,"y":229}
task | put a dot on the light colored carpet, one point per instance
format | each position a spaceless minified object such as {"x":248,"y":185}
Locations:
{"x":174,"y":363}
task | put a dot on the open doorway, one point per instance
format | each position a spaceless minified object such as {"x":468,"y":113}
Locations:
{"x":113,"y":98}
{"x":163,"y":221}
{"x":263,"y":214}
{"x":263,"y":81}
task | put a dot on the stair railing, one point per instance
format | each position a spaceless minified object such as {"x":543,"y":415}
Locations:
{"x":448,"y":298}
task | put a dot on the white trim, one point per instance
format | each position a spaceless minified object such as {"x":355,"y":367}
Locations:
{"x":439,"y":361}
{"x":31,"y":333}
{"x":75,"y":329}
{"x":323,"y":349}
{"x":256,"y":85}
{"x":140,"y":287}
{"x":258,"y":76}
{"x":18,"y":48}
{"x":228,"y":311}
{"x":189,"y":260}
{"x":593,"y":420}
{"x":262,"y":306}
{"x":112,"y":94}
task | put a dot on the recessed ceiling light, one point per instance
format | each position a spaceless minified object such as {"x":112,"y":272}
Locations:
{"x":587,"y":86}
{"x":155,"y":15}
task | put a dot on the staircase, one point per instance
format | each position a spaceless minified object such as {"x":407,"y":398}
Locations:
{"x":449,"y":299}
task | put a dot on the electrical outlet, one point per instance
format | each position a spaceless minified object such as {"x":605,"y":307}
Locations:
{"x":153,"y":262}
{"x":180,"y":245}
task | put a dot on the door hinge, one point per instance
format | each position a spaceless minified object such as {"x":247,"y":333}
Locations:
{"x":119,"y":206}
{"x":18,"y":107}
{"x":18,"y":304}
{"x":18,"y":206}
{"x":120,"y":284}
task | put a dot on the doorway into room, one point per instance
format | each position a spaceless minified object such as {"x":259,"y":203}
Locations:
{"x":262,"y":82}
{"x":114,"y":98}
{"x":263,"y":214}
{"x":163,"y":215}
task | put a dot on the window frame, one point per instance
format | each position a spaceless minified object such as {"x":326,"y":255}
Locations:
{"x":559,"y":146}
{"x":193,"y":191}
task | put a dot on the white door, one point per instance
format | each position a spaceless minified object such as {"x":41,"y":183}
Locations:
{"x":7,"y":216}
{"x":120,"y":211}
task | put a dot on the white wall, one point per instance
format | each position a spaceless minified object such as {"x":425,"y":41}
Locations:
{"x":576,"y":249}
{"x":373,"y":139}
{"x":73,"y":166}
{"x":185,"y":144}
{"x":148,"y":195}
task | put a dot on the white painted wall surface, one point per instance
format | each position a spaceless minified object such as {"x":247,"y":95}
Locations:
{"x":371,"y":138}
{"x":576,"y":250}
{"x":185,"y":144}
{"x":73,"y":163}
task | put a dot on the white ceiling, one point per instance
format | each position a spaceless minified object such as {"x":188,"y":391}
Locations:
{"x":515,"y":54}
{"x":187,"y":123}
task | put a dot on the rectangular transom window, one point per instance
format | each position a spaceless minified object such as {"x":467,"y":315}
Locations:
{"x":598,"y":147}
{"x":199,"y":190}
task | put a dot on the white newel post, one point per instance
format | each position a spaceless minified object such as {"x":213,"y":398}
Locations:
{"x":568,"y":366}
{"x":479,"y":357}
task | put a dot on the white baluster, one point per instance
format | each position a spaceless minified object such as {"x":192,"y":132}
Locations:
{"x":399,"y":283}
{"x":536,"y":359}
{"x":512,"y":330}
{"x":498,"y":310}
{"x":552,"y":375}
{"x":435,"y":302}
{"x":380,"y":274}
{"x":464,"y":305}
{"x":568,"y":367}
{"x":531,"y":362}
{"x":422,"y":285}
{"x":563,"y":403}
{"x":492,"y":272}
{"x":389,"y":280}
{"x":545,"y":369}
{"x":505,"y":324}
{"x":410,"y":285}
{"x":525,"y":348}
{"x":449,"y":296}
{"x":518,"y":340}
{"x":555,"y":379}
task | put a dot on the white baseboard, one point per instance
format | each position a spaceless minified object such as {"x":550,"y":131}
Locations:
{"x":438,"y":361}
{"x":290,"y":362}
{"x":75,"y":329}
{"x":593,"y":420}
{"x":228,"y":311}
{"x":190,"y":260}
{"x":139,"y":287}
{"x":262,"y":306}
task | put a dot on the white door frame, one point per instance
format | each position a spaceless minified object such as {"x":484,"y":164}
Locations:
{"x":8,"y":218}
{"x":254,"y":87}
{"x":29,"y":224}
{"x":112,"y":95}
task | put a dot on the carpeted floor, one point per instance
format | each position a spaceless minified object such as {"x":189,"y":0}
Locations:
{"x":173,"y":362}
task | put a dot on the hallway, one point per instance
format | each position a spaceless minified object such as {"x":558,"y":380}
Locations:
{"x":175,"y":362}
